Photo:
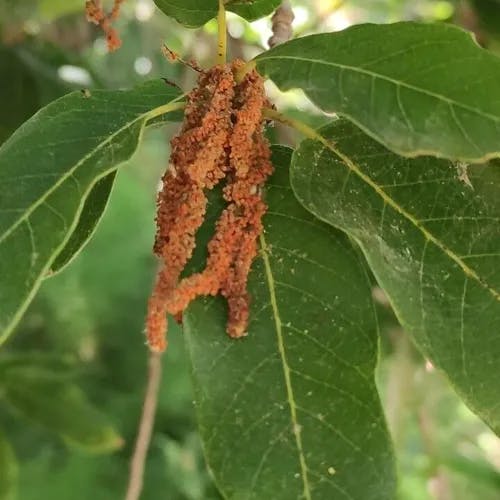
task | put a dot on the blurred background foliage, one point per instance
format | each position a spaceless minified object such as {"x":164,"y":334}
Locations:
{"x":72,"y":376}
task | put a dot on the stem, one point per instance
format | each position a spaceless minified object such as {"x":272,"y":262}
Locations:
{"x":173,"y":57}
{"x":400,"y":385}
{"x":308,"y":131}
{"x":240,"y":74}
{"x":167,"y":108}
{"x":222,"y":35}
{"x":145,"y":428}
{"x":282,"y":24}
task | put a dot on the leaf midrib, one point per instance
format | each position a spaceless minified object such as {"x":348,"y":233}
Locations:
{"x":398,"y":83}
{"x":150,"y":114}
{"x":471,"y":273}
{"x":286,"y":369}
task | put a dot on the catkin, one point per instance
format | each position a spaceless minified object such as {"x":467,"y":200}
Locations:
{"x":95,"y":14}
{"x":221,"y":138}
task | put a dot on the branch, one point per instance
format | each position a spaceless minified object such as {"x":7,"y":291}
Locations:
{"x":145,"y":428}
{"x":282,"y":24}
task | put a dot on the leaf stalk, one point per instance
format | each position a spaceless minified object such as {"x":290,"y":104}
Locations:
{"x":222,"y":36}
{"x":167,"y":108}
{"x":301,"y":127}
{"x":240,"y":74}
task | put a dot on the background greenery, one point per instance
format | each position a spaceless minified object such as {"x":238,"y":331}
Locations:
{"x":72,"y":377}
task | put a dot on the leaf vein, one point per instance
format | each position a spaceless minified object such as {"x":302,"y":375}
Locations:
{"x":286,"y":370}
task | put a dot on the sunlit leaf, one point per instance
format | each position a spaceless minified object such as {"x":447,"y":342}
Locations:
{"x":417,"y":88}
{"x":292,"y":411}
{"x":430,"y":231}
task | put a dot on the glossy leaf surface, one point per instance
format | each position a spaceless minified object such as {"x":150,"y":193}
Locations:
{"x":429,"y":229}
{"x":417,"y":88}
{"x":292,"y":411}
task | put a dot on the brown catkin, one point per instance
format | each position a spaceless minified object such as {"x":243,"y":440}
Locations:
{"x":221,"y":137}
{"x":95,"y":14}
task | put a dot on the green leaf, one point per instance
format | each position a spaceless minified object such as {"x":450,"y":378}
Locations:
{"x":49,"y":167}
{"x":32,"y":81}
{"x":52,"y":9}
{"x":184,"y":465}
{"x":195,"y":13}
{"x":59,"y":365}
{"x":416,"y":88}
{"x":60,"y":406}
{"x":292,"y":411}
{"x":190,"y":13}
{"x":253,"y":9}
{"x":476,"y":471}
{"x":9,"y":470}
{"x":488,"y":12}
{"x":18,"y":93}
{"x":429,"y":230}
{"x":32,"y":10}
{"x":92,"y":212}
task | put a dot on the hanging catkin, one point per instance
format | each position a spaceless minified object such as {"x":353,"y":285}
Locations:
{"x":221,"y":137}
{"x":95,"y":14}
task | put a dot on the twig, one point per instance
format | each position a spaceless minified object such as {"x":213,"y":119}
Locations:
{"x":246,"y":68}
{"x":145,"y":428}
{"x":95,"y":14}
{"x":173,"y":57}
{"x":222,"y":34}
{"x":282,"y":24}
{"x":301,"y":127}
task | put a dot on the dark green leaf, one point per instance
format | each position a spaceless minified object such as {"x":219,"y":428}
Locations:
{"x":8,"y":470}
{"x":429,"y":229}
{"x":417,"y":88}
{"x":190,"y":13}
{"x":195,"y":13}
{"x":60,"y":406}
{"x":488,"y":12}
{"x":18,"y":93}
{"x":43,"y":60}
{"x":92,"y":211}
{"x":30,"y":81}
{"x":15,"y":11}
{"x":253,"y":9}
{"x":48,"y":168}
{"x":56,"y":364}
{"x":292,"y":411}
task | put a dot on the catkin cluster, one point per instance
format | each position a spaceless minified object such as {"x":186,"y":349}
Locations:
{"x":221,"y":138}
{"x":95,"y":14}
